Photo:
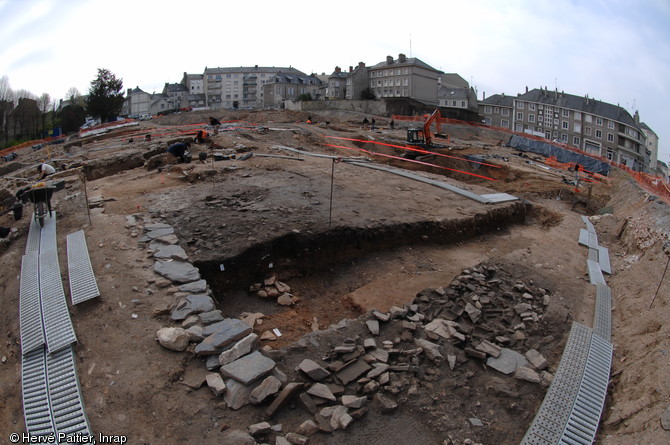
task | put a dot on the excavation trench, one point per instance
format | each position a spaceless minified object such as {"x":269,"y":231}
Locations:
{"x":322,"y":268}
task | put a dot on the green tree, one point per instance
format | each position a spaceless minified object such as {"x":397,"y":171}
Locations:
{"x":72,"y":117}
{"x":305,"y":97}
{"x":104,"y":96}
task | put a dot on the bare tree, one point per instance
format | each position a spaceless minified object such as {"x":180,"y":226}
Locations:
{"x":6,"y":106}
{"x":44,"y":104}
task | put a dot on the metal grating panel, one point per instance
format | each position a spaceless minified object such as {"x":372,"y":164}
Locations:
{"x":593,"y":255}
{"x":30,"y":310}
{"x":57,"y":323}
{"x":553,"y":415}
{"x":33,"y":244}
{"x":48,"y":234}
{"x":67,"y":405}
{"x":602,"y":322}
{"x":36,"y":407}
{"x":589,"y":225}
{"x":604,"y":259}
{"x":585,"y":415}
{"x":82,"y":280}
{"x":595,"y":274}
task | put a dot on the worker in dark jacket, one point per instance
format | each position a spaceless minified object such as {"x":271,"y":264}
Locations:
{"x":178,"y":150}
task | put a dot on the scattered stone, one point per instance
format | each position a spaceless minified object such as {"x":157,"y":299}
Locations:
{"x":386,"y":404}
{"x":473,"y":312}
{"x":259,"y":429}
{"x":215,"y":383}
{"x":195,"y":287}
{"x":212,"y":363}
{"x":489,"y":348}
{"x":285,"y":299}
{"x":527,"y":374}
{"x":369,"y":343}
{"x":507,"y":361}
{"x":308,"y":428}
{"x":297,"y":439}
{"x":281,"y":441}
{"x":210,"y":317}
{"x":237,"y":437}
{"x":268,"y":336}
{"x":308,"y":402}
{"x":665,"y":419}
{"x":451,"y":360}
{"x":220,"y":335}
{"x":353,"y":401}
{"x":252,"y":319}
{"x":373,"y":326}
{"x":352,"y":371}
{"x":475,"y":421}
{"x":195,"y":333}
{"x":174,"y":339}
{"x":381,"y":316}
{"x":268,"y":387}
{"x":191,"y":320}
{"x":431,"y":349}
{"x":475,"y":353}
{"x":322,"y":391}
{"x":537,"y":360}
{"x":249,"y":368}
{"x":239,"y":349}
{"x":284,"y":396}
{"x":168,"y":251}
{"x":377,"y":370}
{"x":313,"y":370}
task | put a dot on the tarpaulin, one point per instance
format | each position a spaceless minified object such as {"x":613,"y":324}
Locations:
{"x":561,"y":154}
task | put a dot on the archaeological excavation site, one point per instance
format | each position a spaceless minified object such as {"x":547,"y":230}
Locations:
{"x":324,"y":282}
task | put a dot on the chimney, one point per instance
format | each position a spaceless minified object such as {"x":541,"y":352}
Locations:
{"x":361,"y":64}
{"x":483,"y":95}
{"x":351,"y":68}
{"x":389,"y":60}
{"x":338,"y":69}
{"x":401,"y":58}
{"x":636,"y":116}
{"x":526,"y":88}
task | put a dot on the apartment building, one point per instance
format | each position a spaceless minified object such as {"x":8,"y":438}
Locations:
{"x":239,"y":87}
{"x":591,"y":125}
{"x":497,"y":110}
{"x":290,"y":86}
{"x":136,"y":103}
{"x":194,"y":83}
{"x":337,"y":84}
{"x":651,"y":146}
{"x":404,"y":77}
{"x":174,"y":92}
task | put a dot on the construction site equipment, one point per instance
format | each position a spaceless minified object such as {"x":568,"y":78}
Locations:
{"x":422,"y":138}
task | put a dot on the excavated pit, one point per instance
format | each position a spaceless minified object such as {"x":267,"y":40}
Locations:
{"x":322,"y":269}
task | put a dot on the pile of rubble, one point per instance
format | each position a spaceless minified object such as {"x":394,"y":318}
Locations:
{"x":273,"y":288}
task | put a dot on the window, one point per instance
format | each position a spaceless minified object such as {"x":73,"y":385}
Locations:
{"x":564,"y":125}
{"x":519,"y":116}
{"x":531,"y":118}
{"x":405,"y":82}
{"x":610,"y":154}
{"x":587,"y":131}
{"x":504,"y":123}
{"x":564,"y":137}
{"x":372,"y":84}
{"x":463,"y":103}
{"x":453,"y":103}
{"x":610,"y":125}
{"x":577,"y":128}
{"x":520,"y":105}
{"x":575,"y":141}
{"x":531,"y":107}
{"x":588,"y":118}
{"x":610,"y":137}
{"x":578,"y":115}
{"x":488,"y":109}
{"x":496,"y":110}
{"x":599,"y":121}
{"x":487,"y":120}
{"x":566,"y":113}
{"x":504,"y":111}
{"x":599,"y":134}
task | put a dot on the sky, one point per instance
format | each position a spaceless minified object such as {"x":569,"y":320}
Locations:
{"x":617,"y":51}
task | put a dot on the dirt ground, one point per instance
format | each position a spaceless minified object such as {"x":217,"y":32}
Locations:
{"x":367,"y":240}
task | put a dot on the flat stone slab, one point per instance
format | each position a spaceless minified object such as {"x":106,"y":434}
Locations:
{"x":153,"y":234}
{"x":192,"y":304}
{"x":249,"y":368}
{"x":169,"y":251}
{"x":507,"y":361}
{"x":177,"y":271}
{"x":353,"y":371}
{"x":221,"y":335}
{"x":196,"y":287}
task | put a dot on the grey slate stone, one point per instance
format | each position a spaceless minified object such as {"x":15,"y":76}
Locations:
{"x":169,"y":251}
{"x":222,"y":336}
{"x":237,"y":394}
{"x":242,"y":347}
{"x":249,"y":368}
{"x":313,"y":370}
{"x":177,"y":271}
{"x":195,"y":287}
{"x":210,"y":317}
{"x":507,"y":361}
{"x":268,"y":387}
{"x":192,"y":304}
{"x":153,"y":234}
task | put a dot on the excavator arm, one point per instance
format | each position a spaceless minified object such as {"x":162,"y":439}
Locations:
{"x":434,"y":117}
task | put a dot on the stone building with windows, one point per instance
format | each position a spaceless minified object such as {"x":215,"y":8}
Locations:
{"x":290,"y":86}
{"x":497,"y":110}
{"x":404,"y":77}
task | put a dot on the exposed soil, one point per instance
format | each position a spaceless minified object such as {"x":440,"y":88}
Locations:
{"x":385,"y":241}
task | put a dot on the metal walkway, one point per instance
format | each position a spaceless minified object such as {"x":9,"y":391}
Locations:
{"x":82,"y":280}
{"x":571,"y":410}
{"x":52,"y":400}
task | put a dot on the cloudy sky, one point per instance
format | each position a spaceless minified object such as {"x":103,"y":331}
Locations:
{"x":617,"y":51}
